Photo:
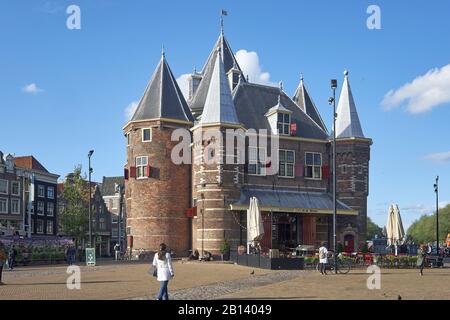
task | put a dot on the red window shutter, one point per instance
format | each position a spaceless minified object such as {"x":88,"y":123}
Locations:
{"x":149,"y":171}
{"x":125,"y":173}
{"x":133,"y":172}
{"x":194,"y":211}
{"x":325,"y":172}
{"x":298,"y":170}
{"x":293,"y":129}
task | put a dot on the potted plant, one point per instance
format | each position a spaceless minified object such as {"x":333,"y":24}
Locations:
{"x":225,"y":250}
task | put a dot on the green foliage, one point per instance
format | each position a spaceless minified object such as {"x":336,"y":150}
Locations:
{"x":73,"y":217}
{"x":373,"y":229}
{"x":423,"y":230}
{"x":225,"y":247}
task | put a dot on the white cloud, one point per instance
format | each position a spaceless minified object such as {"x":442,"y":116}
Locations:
{"x":32,"y":88}
{"x":439,"y":157}
{"x":249,"y":63}
{"x":183,"y":83}
{"x":423,"y":93}
{"x":131,"y":109}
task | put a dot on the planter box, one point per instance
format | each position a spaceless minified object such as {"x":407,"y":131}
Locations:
{"x":263,"y":262}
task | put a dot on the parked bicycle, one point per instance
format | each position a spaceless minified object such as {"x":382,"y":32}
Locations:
{"x":343,"y":265}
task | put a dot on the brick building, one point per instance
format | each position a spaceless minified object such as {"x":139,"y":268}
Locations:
{"x":199,"y":205}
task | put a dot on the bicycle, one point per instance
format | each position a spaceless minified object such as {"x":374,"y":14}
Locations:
{"x":343,"y":266}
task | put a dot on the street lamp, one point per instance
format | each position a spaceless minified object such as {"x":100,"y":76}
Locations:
{"x":332,"y":101}
{"x":436,"y":190}
{"x":90,"y":198}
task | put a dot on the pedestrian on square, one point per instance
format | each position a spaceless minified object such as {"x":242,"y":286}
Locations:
{"x":71,"y":252}
{"x":3,"y":258}
{"x":162,"y":261}
{"x":323,"y":258}
{"x":117,"y":251}
{"x":421,"y":254}
{"x":12,"y":257}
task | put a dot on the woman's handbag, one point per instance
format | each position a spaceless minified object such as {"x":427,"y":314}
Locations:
{"x":153,"y":271}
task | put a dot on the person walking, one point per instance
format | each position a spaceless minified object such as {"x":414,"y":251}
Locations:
{"x":162,"y":261}
{"x":3,"y":258}
{"x":421,"y":254}
{"x":323,"y":258}
{"x":117,"y":251}
{"x":12,"y":257}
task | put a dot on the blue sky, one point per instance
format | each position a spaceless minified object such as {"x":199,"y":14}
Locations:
{"x":64,"y":92}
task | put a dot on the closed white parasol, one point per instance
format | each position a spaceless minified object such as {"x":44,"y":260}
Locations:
{"x":394,"y":227}
{"x":255,"y":227}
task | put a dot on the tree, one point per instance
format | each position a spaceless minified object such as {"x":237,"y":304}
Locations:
{"x":423,"y":230}
{"x":373,"y":229}
{"x":73,"y":217}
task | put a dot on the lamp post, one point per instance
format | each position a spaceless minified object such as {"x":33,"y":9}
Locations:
{"x":90,"y":198}
{"x":436,"y":190}
{"x":332,"y":100}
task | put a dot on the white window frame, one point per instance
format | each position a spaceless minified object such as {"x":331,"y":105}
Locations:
{"x":285,"y":164}
{"x":53,"y":211}
{"x":18,"y":188}
{"x":102,"y":224}
{"x":284,"y":123}
{"x":141,"y":174}
{"x":7,"y":185}
{"x":53,"y":193}
{"x":151,"y":134}
{"x":114,"y":218}
{"x":49,"y":223}
{"x":41,"y":187}
{"x":6,"y":205}
{"x":37,"y":226}
{"x":18,"y":206}
{"x":37,"y":208}
{"x":259,"y":163}
{"x":314,"y":166}
{"x":128,"y":138}
{"x":114,"y":233}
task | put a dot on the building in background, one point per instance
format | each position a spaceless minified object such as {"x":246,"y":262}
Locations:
{"x":41,"y":195}
{"x":12,"y":208}
{"x":112,"y":191}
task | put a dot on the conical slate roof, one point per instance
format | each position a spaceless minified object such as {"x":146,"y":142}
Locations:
{"x":229,"y":61}
{"x":219,"y":106}
{"x":162,"y":97}
{"x":304,"y":101}
{"x":347,"y":121}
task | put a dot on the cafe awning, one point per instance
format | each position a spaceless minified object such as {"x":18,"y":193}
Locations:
{"x":291,"y":201}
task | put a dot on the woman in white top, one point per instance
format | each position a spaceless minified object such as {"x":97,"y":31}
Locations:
{"x":323,"y":258}
{"x":162,"y":261}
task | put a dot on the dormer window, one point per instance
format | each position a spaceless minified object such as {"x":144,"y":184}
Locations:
{"x":284,"y":123}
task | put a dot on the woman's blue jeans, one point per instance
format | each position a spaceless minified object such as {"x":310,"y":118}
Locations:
{"x":163,"y":294}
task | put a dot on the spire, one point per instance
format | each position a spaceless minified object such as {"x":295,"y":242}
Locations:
{"x":306,"y":104}
{"x":162,"y":97}
{"x":219,"y":106}
{"x":347,"y":121}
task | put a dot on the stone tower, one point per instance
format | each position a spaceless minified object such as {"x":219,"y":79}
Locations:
{"x":157,"y":190}
{"x":352,"y":168}
{"x":216,"y":183}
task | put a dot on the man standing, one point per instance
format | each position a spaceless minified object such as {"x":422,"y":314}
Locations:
{"x":323,"y":258}
{"x":12,"y":257}
{"x":117,"y":251}
{"x":2,"y":261}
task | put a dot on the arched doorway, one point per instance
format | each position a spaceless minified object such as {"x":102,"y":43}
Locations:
{"x":349,"y":243}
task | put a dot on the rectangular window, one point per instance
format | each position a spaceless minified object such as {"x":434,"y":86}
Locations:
{"x":141,"y":167}
{"x":114,"y":218}
{"x":102,"y":224}
{"x":284,"y":123}
{"x":49,"y":227}
{"x":3,"y":205}
{"x":15,"y":190}
{"x":257,"y":161}
{"x":50,"y":209}
{"x":146,"y":135}
{"x":3,"y":186}
{"x":40,"y":208}
{"x":39,"y":226}
{"x":41,"y":191}
{"x":287,"y":163}
{"x":114,"y":233}
{"x":51,"y":193}
{"x":128,"y":139}
{"x":313,"y":165}
{"x":15,"y":206}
